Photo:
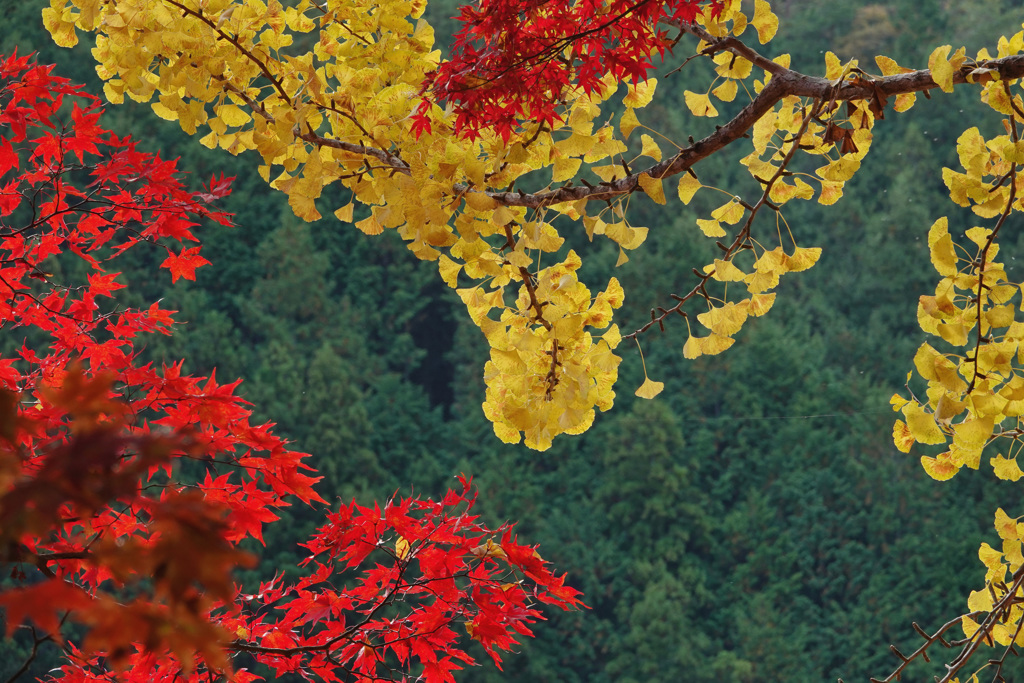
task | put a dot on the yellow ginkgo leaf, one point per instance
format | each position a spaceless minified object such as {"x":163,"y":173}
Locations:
{"x":650,"y":388}
{"x":831,"y":192}
{"x":726,"y":271}
{"x":902,"y":437}
{"x":692,"y":348}
{"x":564,"y":168}
{"x":803,"y":258}
{"x":732,"y":66}
{"x":940,"y":244}
{"x":725,"y":320}
{"x":653,"y":187}
{"x":716,"y":343}
{"x":60,"y":22}
{"x":980,"y":601}
{"x":939,"y":468}
{"x":650,"y":147}
{"x":840,"y":170}
{"x":922,"y":425}
{"x":897,"y":402}
{"x":889,"y":67}
{"x":731,"y":212}
{"x":304,"y":207}
{"x":1006,"y":468}
{"x":479,"y":201}
{"x":710,"y":228}
{"x":726,"y":92}
{"x":761,"y":303}
{"x":506,"y":432}
{"x":449,"y":271}
{"x":970,"y":626}
{"x":688,"y":186}
{"x":764,"y":21}
{"x":833,"y":66}
{"x":942,"y":69}
{"x":640,"y":94}
{"x":990,"y":557}
{"x":232,"y":115}
{"x":628,"y":122}
{"x":782,"y":191}
{"x":739,"y":24}
{"x":612,"y":337}
{"x":370,"y":226}
{"x":576,"y":145}
{"x":1006,"y":526}
{"x":700,"y":104}
{"x":344,"y":214}
{"x":979,"y":236}
{"x":954,"y":333}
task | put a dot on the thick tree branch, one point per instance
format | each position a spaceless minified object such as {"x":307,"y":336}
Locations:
{"x":393,"y":161}
{"x":37,"y":640}
{"x":784,"y":83}
{"x":730,"y":44}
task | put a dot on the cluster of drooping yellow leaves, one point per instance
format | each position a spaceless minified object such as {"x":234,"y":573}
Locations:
{"x":547,"y":373}
{"x":730,"y":69}
{"x":793,"y":125}
{"x":975,"y":391}
{"x":974,"y":394}
{"x":1000,"y":601}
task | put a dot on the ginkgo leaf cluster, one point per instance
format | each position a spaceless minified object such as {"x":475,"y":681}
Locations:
{"x":343,"y":113}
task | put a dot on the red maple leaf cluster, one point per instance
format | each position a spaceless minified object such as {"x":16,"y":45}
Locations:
{"x":435,"y":567}
{"x":513,"y":60}
{"x":126,"y":488}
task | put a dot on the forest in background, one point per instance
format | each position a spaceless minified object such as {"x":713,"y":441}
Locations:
{"x":754,"y":523}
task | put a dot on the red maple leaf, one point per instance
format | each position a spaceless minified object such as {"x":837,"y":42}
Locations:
{"x":513,"y":60}
{"x":184,"y":264}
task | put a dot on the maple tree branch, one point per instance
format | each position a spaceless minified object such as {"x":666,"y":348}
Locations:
{"x":36,"y":642}
{"x":551,"y":50}
{"x":397,"y":585}
{"x":19,"y":553}
{"x":56,"y":557}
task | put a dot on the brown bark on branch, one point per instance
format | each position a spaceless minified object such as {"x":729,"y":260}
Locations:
{"x":784,"y":83}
